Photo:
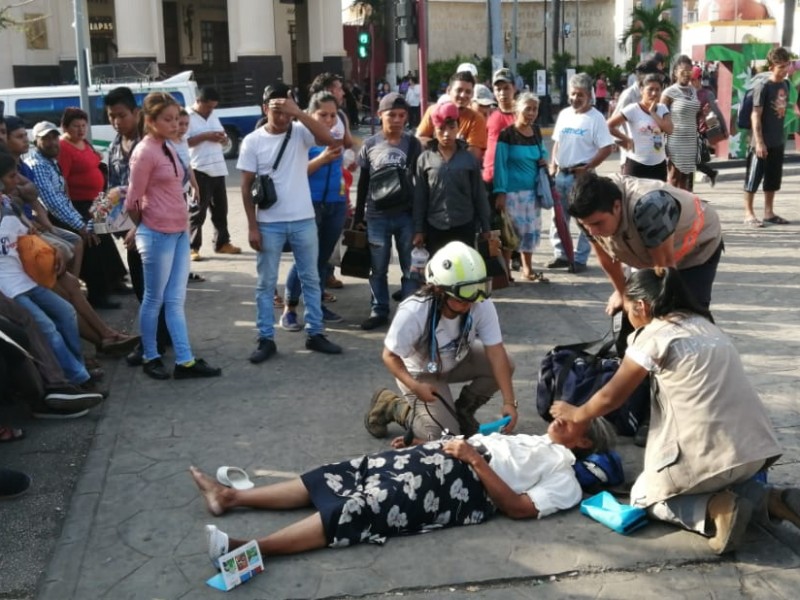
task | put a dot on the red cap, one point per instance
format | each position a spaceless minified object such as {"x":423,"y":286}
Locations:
{"x":697,"y":72}
{"x":444,"y":112}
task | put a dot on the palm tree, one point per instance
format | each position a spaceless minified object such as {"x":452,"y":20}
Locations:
{"x":647,"y":26}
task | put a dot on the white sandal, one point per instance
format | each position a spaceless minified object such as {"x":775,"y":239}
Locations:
{"x":234,"y":477}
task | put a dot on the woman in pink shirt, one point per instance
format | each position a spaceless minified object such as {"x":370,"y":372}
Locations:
{"x":155,"y":201}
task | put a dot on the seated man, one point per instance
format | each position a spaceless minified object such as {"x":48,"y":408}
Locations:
{"x":446,"y":333}
{"x":522,"y":476}
{"x":30,"y":370}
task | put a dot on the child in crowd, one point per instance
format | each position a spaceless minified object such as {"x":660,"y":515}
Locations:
{"x":450,"y":202}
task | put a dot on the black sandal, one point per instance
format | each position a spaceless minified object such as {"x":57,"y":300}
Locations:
{"x":196,"y":277}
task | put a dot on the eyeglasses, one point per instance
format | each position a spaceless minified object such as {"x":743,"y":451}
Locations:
{"x":471,"y":291}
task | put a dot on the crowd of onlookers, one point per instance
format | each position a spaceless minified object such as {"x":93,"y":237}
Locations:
{"x":475,"y":163}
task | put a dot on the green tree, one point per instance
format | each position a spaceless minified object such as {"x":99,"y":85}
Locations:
{"x":647,"y":26}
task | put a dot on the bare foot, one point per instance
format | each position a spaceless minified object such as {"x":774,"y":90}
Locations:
{"x":212,"y":491}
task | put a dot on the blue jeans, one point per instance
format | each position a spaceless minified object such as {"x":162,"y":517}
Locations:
{"x":302,"y":237}
{"x":379,"y":234}
{"x":564,"y":183}
{"x":165,"y":262}
{"x":330,"y":222}
{"x":58,"y":322}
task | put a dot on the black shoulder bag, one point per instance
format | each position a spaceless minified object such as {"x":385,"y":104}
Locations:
{"x":263,"y":188}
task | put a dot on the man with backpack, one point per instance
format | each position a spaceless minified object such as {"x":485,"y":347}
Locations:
{"x":765,"y":156}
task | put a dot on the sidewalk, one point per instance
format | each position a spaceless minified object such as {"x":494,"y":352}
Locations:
{"x":134,"y":524}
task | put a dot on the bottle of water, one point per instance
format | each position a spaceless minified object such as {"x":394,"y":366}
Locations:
{"x":419,"y":258}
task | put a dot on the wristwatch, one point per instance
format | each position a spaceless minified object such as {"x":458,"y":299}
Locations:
{"x":515,"y":403}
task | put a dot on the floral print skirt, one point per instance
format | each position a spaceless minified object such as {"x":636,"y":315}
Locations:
{"x":526,"y":215}
{"x":397,"y":492}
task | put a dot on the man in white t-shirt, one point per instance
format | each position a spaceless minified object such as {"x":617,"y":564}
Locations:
{"x":582,"y":142}
{"x":447,"y":333}
{"x":414,"y":100}
{"x":290,"y":219}
{"x":206,"y":136}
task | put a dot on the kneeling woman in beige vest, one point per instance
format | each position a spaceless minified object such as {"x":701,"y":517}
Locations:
{"x":709,"y":431}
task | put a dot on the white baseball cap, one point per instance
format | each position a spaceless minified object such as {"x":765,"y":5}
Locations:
{"x":467,"y":67}
{"x":42,"y":128}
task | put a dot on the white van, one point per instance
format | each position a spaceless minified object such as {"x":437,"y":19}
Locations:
{"x":47,"y":103}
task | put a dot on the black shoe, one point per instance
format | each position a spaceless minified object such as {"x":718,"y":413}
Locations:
{"x":71,"y":399}
{"x":398,"y":295}
{"x":200,"y":368}
{"x":578,"y":268}
{"x":135,"y":357}
{"x":713,"y":177}
{"x":155,"y":369}
{"x":558,"y":263}
{"x":266,"y":348}
{"x":374,"y":322}
{"x":319,"y":343}
{"x":13,"y":483}
{"x":105,"y":304}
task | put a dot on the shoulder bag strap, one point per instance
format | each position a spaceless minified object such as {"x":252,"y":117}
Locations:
{"x":283,"y":148}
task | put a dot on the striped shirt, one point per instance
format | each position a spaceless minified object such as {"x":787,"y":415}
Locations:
{"x":48,"y":178}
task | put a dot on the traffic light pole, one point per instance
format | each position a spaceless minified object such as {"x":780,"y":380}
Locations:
{"x":422,"y":52}
{"x":373,"y":99}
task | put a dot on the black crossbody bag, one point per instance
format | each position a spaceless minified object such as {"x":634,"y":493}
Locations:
{"x":263,"y":188}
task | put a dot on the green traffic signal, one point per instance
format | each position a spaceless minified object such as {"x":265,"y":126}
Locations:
{"x":363,"y":44}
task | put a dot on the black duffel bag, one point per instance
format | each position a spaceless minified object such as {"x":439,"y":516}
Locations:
{"x":573,"y":374}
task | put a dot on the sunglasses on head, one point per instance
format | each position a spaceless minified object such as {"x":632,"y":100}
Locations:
{"x":470,"y":291}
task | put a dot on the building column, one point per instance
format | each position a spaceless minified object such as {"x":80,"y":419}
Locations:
{"x":145,"y":40}
{"x":251,"y":30}
{"x":325,"y":40}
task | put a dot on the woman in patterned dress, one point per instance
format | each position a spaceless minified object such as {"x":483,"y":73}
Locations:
{"x":412,"y":490}
{"x":520,"y":152}
{"x":681,"y":99}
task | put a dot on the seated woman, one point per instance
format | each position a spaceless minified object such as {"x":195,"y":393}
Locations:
{"x":400,"y":492}
{"x":709,"y":432}
{"x":92,"y":328}
{"x":55,"y":316}
{"x":448,"y":332}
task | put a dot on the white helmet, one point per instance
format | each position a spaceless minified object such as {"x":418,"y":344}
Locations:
{"x":460,"y":271}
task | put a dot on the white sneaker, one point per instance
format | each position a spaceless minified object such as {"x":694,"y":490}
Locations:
{"x":217,"y":544}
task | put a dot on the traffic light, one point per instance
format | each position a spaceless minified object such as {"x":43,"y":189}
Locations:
{"x":406,"y":21}
{"x":363,"y":44}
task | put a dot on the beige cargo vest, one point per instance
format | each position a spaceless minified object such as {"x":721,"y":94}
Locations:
{"x":697,"y":236}
{"x":706,"y":417}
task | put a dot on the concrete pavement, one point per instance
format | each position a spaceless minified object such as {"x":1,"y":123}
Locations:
{"x":134,"y":522}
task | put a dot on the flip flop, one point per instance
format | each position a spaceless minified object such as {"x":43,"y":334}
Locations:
{"x":776,"y":220}
{"x":11,"y":434}
{"x":196,"y":277}
{"x":234,"y":477}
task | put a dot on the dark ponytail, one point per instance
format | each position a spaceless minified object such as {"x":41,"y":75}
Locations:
{"x":664,"y":291}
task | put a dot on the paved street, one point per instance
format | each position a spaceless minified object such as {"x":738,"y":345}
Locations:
{"x":132,"y":527}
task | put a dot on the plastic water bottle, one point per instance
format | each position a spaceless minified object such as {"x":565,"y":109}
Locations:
{"x":419,"y":258}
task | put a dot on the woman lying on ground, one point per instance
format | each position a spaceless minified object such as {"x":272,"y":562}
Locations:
{"x":411,"y":490}
{"x":709,"y":432}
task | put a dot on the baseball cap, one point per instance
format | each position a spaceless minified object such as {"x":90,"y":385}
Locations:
{"x":483,"y":95}
{"x":469,"y":67}
{"x":13,"y":123}
{"x":445,"y":111}
{"x":697,"y":73}
{"x":503,"y":75}
{"x":42,"y":128}
{"x":392,"y":101}
{"x":277,"y":90}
